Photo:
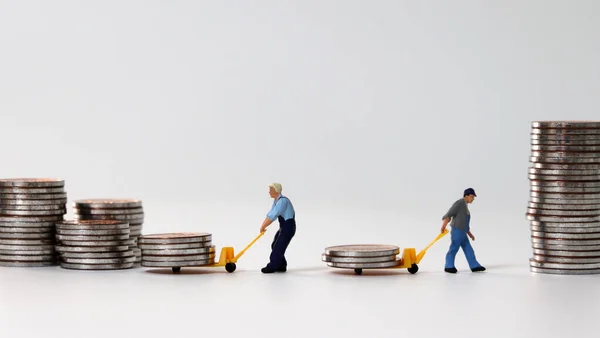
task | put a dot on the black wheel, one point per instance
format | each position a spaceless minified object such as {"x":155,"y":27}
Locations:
{"x":413,"y":269}
{"x":176,"y":269}
{"x":230,"y":267}
{"x":358,"y":271}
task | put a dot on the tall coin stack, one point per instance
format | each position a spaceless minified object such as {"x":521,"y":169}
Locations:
{"x":127,"y":210}
{"x":94,"y":245}
{"x":29,"y":209}
{"x":564,"y":206}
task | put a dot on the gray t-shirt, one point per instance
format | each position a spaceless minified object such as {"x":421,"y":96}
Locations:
{"x":458,"y":213}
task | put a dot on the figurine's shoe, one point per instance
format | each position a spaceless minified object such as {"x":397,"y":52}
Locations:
{"x":451,"y":270}
{"x":282,"y":269}
{"x":478,"y":269}
{"x":267,"y":269}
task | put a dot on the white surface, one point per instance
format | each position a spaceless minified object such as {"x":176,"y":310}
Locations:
{"x":373,"y":115}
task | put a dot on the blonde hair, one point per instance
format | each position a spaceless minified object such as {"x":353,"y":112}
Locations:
{"x":277,"y":187}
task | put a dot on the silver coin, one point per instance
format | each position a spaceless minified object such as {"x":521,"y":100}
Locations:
{"x":20,"y":190}
{"x":26,"y":241}
{"x":5,"y":212}
{"x":564,"y":271}
{"x":563,"y":172}
{"x":197,"y":245}
{"x":26,"y":230}
{"x":563,"y":136}
{"x":31,"y":219}
{"x":566,"y":142}
{"x":91,"y":249}
{"x":362,"y":250}
{"x":109,"y":217}
{"x":566,"y":166}
{"x":27,"y":247}
{"x":564,"y":235}
{"x":557,"y":241}
{"x":562,"y":148}
{"x":564,"y":201}
{"x":28,"y":264}
{"x":564,"y":184}
{"x":566,"y":131}
{"x":564,"y":154}
{"x":26,"y":235}
{"x":565,"y":247}
{"x":560,"y":229}
{"x":116,"y":260}
{"x":563,"y":213}
{"x":559,"y":219}
{"x":172,"y":264}
{"x":577,"y":196}
{"x":33,"y":203}
{"x":565,"y":253}
{"x":563,"y":206}
{"x":564,"y":159}
{"x":27,"y":258}
{"x":108,"y":203}
{"x":136,"y":223}
{"x":28,"y":252}
{"x":561,"y":224}
{"x":180,"y":258}
{"x":564,"y":190}
{"x":74,"y":266}
{"x":539,"y":264}
{"x":32,"y":207}
{"x":92,"y":232}
{"x":565,"y":124}
{"x":18,"y":196}
{"x":92,"y":225}
{"x":175,"y":238}
{"x":93,"y":243}
{"x":32,"y":182}
{"x":113,"y":211}
{"x":374,"y":265}
{"x":563,"y":178}
{"x":60,"y":237}
{"x":376,"y":259}
{"x":170,"y":252}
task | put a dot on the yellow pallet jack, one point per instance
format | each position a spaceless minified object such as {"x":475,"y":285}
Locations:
{"x":410,"y":259}
{"x":227,"y":258}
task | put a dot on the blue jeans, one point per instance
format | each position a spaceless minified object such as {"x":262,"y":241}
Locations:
{"x":460,"y":239}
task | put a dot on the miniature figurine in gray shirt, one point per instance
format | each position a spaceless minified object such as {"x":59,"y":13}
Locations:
{"x":460,"y":218}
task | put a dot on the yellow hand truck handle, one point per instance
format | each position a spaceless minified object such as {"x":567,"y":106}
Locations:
{"x":248,"y":246}
{"x":422,"y":253}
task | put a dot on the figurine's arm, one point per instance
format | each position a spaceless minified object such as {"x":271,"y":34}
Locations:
{"x":452,"y":212}
{"x":276,"y":211}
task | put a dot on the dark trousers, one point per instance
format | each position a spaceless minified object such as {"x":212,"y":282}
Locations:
{"x":283,"y":237}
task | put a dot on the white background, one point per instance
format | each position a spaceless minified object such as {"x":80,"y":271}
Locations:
{"x":374,"y":115}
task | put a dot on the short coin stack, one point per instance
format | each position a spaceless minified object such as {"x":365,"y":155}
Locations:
{"x":127,"y":210}
{"x":361,"y":256}
{"x":29,"y":208}
{"x":564,"y":206}
{"x":94,"y":245}
{"x":177,"y":250}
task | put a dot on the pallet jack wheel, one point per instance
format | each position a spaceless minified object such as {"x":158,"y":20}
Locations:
{"x":413,"y":269}
{"x":176,"y":269}
{"x":358,"y":271}
{"x":230,"y":267}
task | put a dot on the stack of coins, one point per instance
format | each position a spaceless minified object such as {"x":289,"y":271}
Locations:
{"x":361,"y":256}
{"x":127,"y":210}
{"x":177,"y":250}
{"x":94,"y":245}
{"x":29,"y":209}
{"x":564,"y":206}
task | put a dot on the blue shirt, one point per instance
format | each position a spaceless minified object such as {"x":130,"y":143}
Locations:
{"x":283,"y":207}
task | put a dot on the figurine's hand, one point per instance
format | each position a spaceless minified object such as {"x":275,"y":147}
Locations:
{"x":263,"y":228}
{"x":443,"y":228}
{"x":471,"y":235}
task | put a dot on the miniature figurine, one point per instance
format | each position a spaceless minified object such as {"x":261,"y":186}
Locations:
{"x":461,"y":219}
{"x":283,"y":210}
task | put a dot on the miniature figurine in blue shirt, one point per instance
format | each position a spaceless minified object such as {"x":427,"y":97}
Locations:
{"x":461,"y":219}
{"x":282,"y":210}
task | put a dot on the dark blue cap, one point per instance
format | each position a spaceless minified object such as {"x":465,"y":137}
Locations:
{"x":470,"y":191}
